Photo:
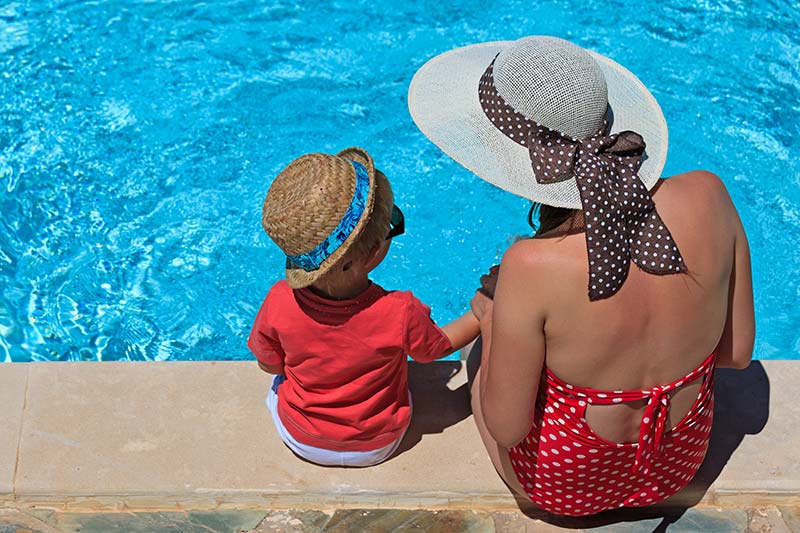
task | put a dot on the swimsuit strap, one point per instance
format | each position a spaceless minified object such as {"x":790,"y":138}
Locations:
{"x":656,"y":413}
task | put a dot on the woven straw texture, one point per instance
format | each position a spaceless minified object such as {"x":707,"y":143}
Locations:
{"x":307,"y":201}
{"x":553,"y":82}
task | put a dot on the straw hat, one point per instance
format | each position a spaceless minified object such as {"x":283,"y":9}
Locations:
{"x":310,"y":199}
{"x":550,"y":81}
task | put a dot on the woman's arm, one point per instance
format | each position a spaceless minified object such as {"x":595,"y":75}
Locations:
{"x":736,"y":344}
{"x":513,"y":349}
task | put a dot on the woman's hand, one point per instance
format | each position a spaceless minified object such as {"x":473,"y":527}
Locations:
{"x":481,"y":306}
{"x":489,"y":281}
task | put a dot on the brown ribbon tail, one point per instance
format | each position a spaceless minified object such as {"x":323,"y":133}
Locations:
{"x":663,"y":259}
{"x":604,"y":280}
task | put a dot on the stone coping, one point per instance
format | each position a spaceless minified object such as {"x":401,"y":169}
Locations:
{"x":83,"y":437}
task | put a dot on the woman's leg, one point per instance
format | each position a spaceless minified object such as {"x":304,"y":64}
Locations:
{"x":497,"y":454}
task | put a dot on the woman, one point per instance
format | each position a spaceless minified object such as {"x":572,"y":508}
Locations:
{"x":595,"y":389}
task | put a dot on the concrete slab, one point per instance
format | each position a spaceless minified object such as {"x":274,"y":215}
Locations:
{"x":197,"y":435}
{"x":166,"y":436}
{"x":756,"y":439}
{"x":13,"y":380}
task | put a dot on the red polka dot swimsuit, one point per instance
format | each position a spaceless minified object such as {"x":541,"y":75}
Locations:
{"x":566,"y":469}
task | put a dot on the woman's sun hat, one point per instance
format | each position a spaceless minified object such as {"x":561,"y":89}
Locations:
{"x":316,"y":209}
{"x":550,"y":121}
{"x":550,"y":81}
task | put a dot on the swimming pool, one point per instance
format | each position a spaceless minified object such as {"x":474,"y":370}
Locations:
{"x":137,"y":140}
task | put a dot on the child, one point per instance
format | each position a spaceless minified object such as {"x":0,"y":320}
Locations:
{"x":336,"y":341}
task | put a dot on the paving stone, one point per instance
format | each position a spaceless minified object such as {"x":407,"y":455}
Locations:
{"x":639,"y":526}
{"x":382,"y":520}
{"x":47,"y":516}
{"x":766,"y":519}
{"x":716,"y":520}
{"x":293,"y":521}
{"x":15,"y":521}
{"x":791,"y":515}
{"x":167,"y":522}
{"x":643,"y":520}
{"x":518,"y":522}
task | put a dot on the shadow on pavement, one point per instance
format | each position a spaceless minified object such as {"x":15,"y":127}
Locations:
{"x":435,"y":406}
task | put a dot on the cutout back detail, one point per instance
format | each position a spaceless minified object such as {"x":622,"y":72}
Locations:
{"x":656,"y":412}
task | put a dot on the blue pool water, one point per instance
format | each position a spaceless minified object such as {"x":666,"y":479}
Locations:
{"x":137,"y":140}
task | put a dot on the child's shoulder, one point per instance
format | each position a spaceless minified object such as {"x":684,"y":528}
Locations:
{"x":280,"y":287}
{"x":400,"y":297}
{"x":279,"y":292}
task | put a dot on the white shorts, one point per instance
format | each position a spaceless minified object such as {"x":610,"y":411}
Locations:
{"x":322,"y":456}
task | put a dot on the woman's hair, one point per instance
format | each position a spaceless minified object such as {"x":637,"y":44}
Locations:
{"x":373,"y":234}
{"x":551,"y":218}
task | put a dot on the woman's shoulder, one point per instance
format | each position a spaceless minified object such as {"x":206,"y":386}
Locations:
{"x":698,"y":197}
{"x":530,"y":253}
{"x":696,"y":186}
{"x":539,"y":265}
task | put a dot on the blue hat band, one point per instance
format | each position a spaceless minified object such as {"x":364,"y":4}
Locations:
{"x":313,"y":259}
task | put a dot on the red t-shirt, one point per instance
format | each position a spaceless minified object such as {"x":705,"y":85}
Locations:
{"x":346,"y":385}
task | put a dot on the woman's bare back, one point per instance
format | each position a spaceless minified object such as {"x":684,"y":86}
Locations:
{"x":656,"y":329}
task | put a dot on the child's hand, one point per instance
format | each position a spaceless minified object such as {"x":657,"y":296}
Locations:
{"x":489,"y":282}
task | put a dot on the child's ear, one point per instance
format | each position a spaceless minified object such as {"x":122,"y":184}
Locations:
{"x":375,"y":256}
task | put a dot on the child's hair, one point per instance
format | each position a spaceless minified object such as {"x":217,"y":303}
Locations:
{"x":373,"y":234}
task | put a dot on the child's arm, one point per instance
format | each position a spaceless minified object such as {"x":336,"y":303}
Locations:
{"x":264,"y":341}
{"x":426,"y":342}
{"x":461,"y":331}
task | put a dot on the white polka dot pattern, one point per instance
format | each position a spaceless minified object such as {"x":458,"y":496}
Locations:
{"x":567,"y":469}
{"x":620,"y":217}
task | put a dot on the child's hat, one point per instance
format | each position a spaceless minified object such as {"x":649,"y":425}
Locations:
{"x":316,"y":209}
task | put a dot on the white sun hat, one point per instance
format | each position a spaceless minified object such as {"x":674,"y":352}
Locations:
{"x":550,"y":81}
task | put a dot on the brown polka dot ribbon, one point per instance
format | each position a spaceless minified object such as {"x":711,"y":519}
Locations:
{"x":620,"y":216}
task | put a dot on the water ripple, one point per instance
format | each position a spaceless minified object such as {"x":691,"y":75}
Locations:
{"x":137,"y":141}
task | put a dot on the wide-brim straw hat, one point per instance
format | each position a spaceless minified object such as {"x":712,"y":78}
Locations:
{"x":308,"y":200}
{"x":552,"y":82}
